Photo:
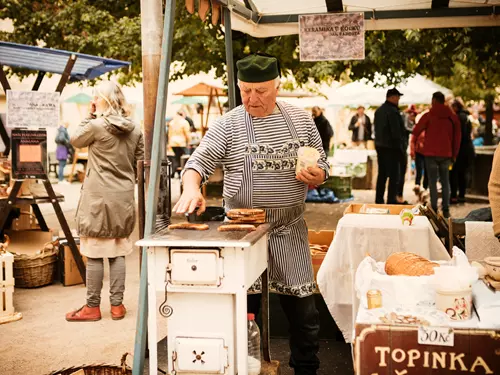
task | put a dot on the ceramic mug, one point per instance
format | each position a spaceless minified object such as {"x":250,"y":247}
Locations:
{"x":456,"y":304}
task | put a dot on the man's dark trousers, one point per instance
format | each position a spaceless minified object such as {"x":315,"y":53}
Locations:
{"x":388,"y":160}
{"x":303,"y":320}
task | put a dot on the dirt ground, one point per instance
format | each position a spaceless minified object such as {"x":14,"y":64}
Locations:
{"x":43,"y":341}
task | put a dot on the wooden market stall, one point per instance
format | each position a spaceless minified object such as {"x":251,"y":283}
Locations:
{"x":34,"y":187}
{"x":261,"y":18}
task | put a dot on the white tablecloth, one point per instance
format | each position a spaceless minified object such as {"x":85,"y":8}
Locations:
{"x":380,"y":236}
{"x":352,"y":156}
{"x":480,"y":240}
{"x":486,"y":301}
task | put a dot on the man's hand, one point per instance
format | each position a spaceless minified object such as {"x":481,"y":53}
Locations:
{"x":190,"y":199}
{"x":312,"y":176}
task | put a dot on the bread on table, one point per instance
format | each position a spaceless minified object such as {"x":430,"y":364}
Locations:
{"x":409,"y":264}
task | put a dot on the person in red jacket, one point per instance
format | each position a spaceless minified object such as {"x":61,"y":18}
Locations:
{"x":441,"y":147}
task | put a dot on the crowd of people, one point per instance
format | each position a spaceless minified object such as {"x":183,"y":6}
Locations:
{"x":440,"y":141}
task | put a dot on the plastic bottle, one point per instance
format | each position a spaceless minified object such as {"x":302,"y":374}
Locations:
{"x":253,"y":346}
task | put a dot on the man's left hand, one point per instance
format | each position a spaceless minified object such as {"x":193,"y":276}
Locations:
{"x":312,"y":176}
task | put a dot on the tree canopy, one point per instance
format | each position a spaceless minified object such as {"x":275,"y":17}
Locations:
{"x":111,"y":28}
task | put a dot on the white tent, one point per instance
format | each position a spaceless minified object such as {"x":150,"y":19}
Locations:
{"x":416,"y":90}
{"x":266,"y":18}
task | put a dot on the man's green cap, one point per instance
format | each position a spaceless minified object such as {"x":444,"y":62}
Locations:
{"x":256,"y":68}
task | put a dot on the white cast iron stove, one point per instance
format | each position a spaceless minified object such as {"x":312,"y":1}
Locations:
{"x":205,"y":276}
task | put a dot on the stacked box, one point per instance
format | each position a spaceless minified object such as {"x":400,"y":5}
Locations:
{"x":6,"y":284}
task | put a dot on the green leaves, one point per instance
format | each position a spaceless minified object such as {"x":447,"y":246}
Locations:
{"x":466,"y":57}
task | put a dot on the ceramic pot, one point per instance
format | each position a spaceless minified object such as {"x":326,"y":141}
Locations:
{"x":456,"y":304}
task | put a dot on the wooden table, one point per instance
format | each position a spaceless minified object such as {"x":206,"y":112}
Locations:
{"x":38,"y":196}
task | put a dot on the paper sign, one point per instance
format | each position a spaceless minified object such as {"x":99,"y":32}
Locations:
{"x":32,"y":109}
{"x":29,"y":153}
{"x":330,"y":37}
{"x":439,"y":336}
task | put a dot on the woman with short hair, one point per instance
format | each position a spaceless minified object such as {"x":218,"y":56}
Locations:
{"x":105,"y":215}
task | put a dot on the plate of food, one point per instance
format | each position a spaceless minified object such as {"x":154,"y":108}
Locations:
{"x":418,"y":316}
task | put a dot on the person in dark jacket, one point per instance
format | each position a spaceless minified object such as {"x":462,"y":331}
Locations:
{"x":324,"y":128}
{"x":458,"y":175}
{"x":442,"y":144}
{"x":361,"y":127}
{"x":389,"y":132}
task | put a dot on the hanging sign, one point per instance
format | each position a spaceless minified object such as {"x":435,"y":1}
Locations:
{"x":29,"y":154}
{"x":32,"y":109}
{"x":329,"y":37}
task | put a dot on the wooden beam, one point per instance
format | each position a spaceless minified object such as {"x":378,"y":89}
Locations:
{"x":5,"y":138}
{"x":334,"y":6}
{"x":38,"y":81}
{"x":67,"y":73}
{"x":3,"y":80}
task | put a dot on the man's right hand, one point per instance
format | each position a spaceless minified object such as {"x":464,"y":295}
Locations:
{"x":190,"y":199}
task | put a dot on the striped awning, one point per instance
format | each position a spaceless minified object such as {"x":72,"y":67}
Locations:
{"x":54,"y":61}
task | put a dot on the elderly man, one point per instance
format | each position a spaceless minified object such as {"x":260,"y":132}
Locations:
{"x":257,"y":144}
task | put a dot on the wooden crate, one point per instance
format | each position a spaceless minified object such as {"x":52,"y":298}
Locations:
{"x":394,"y":209}
{"x":7,"y":312}
{"x":324,"y":237}
{"x":394,"y":350}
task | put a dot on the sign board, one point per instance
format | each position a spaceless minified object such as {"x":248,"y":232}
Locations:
{"x":395,"y":350}
{"x":330,"y":37}
{"x":29,"y":154}
{"x":32,"y":109}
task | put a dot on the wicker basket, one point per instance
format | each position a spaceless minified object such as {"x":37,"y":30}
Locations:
{"x":102,"y":369}
{"x":31,"y":271}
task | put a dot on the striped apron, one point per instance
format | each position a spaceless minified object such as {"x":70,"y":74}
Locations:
{"x":268,"y":182}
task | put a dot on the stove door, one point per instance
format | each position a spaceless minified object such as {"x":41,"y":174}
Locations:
{"x":195,"y":267}
{"x":200,"y":355}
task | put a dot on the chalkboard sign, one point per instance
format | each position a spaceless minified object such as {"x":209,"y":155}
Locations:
{"x":32,"y":109}
{"x":29,"y":154}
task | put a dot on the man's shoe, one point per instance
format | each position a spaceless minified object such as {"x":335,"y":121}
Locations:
{"x":453,"y":200}
{"x":446,"y":214}
{"x":118,"y":312}
{"x":461,"y":200}
{"x":84,"y":314}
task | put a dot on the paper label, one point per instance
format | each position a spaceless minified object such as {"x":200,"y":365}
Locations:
{"x":439,"y":336}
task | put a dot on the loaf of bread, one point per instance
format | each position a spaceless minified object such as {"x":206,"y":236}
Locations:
{"x":236,"y":228}
{"x":409,"y":264}
{"x":189,"y":226}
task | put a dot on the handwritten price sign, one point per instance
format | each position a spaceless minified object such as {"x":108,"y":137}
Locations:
{"x":439,"y":336}
{"x":32,"y":109}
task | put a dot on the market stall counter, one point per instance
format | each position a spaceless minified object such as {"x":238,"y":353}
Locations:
{"x":431,"y":343}
{"x":379,"y":236}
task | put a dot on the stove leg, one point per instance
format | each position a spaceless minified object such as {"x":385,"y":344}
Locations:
{"x":152,"y":333}
{"x":241,"y":332}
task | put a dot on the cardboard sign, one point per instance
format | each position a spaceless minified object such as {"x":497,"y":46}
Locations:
{"x":29,"y":153}
{"x":32,"y":109}
{"x":395,"y":350}
{"x":330,"y":37}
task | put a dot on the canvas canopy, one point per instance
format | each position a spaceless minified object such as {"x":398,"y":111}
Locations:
{"x":416,"y":90}
{"x":264,"y":18}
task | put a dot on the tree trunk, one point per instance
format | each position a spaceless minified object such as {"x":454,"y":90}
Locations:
{"x":488,"y":137}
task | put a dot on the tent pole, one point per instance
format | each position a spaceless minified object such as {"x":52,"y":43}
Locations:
{"x":228,"y":37}
{"x":151,"y":31}
{"x":154,"y":180}
{"x":210,"y":98}
{"x":218,"y":103}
